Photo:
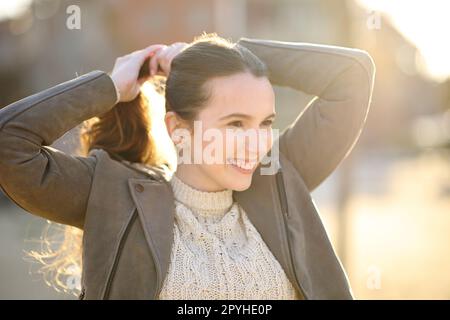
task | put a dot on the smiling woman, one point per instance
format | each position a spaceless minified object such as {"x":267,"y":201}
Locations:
{"x":239,"y":105}
{"x":197,"y":231}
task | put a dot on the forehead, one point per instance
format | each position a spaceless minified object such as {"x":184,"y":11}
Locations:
{"x":242,"y":92}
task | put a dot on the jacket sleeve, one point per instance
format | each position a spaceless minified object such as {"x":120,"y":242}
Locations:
{"x":40,"y":179}
{"x":341,"y":81}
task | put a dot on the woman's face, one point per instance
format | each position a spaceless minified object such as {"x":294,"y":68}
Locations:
{"x":230,"y":134}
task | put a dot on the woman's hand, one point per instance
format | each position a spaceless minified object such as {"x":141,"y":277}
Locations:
{"x":126,"y":70}
{"x":161,"y":60}
{"x":125,"y":74}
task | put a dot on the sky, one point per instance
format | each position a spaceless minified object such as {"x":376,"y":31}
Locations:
{"x":424,"y":23}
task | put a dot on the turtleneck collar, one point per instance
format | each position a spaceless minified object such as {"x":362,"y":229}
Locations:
{"x":205,"y":203}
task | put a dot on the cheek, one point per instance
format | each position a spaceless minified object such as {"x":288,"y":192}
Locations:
{"x":214,"y":147}
{"x":265,"y":142}
{"x":268,"y":136}
{"x":229,"y":148}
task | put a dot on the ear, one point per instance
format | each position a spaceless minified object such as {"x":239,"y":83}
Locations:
{"x":170,"y":119}
{"x":173,"y":122}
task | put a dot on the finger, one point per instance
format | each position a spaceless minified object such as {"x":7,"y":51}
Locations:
{"x":153,"y":64}
{"x":176,"y":49}
{"x":168,"y":57}
{"x":153,"y":48}
{"x":163,"y":58}
{"x":148,"y":52}
{"x":172,"y":55}
{"x":167,"y":63}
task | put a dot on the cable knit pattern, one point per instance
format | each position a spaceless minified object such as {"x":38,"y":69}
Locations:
{"x":218,"y":253}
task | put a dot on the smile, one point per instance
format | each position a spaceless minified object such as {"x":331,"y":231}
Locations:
{"x":242,"y":165}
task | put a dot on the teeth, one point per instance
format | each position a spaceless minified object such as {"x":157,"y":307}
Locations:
{"x":242,"y":164}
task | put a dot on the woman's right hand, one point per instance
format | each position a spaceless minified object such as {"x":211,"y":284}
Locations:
{"x":126,"y":70}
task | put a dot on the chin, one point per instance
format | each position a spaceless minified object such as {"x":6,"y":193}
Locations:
{"x":241,"y":187}
{"x":238,"y":179}
{"x":239,"y":182}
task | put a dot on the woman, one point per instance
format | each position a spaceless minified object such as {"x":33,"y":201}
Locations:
{"x":222,"y":230}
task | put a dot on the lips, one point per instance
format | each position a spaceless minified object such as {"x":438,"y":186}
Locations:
{"x":242,"y":165}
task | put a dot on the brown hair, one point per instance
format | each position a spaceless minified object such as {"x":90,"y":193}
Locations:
{"x":207,"y":57}
{"x":122,"y":132}
{"x":125,"y":131}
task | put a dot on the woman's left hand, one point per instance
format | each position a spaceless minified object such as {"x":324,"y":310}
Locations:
{"x":161,"y":61}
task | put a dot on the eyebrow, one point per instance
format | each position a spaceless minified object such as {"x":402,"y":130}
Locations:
{"x":245,"y":116}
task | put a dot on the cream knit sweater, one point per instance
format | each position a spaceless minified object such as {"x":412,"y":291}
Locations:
{"x":218,"y":253}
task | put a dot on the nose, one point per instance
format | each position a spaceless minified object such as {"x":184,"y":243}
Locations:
{"x":253,"y":143}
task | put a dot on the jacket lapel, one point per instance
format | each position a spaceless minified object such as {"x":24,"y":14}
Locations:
{"x":155,"y":204}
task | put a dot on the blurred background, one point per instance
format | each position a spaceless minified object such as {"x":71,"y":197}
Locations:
{"x":386,"y":207}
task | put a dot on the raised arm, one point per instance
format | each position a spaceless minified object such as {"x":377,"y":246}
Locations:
{"x":341,"y":79}
{"x":40,"y":179}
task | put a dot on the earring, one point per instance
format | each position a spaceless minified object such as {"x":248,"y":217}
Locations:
{"x":179,"y":143}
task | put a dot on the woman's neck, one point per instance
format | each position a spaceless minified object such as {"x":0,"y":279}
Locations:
{"x":204,"y":203}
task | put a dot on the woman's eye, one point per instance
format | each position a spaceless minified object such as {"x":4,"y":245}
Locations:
{"x":267,"y":123}
{"x":236,"y":124}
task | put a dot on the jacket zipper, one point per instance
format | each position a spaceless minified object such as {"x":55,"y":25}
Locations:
{"x":284,"y":207}
{"x":158,"y":284}
{"x":82,"y":293}
{"x":119,"y":251}
{"x":158,"y":276}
